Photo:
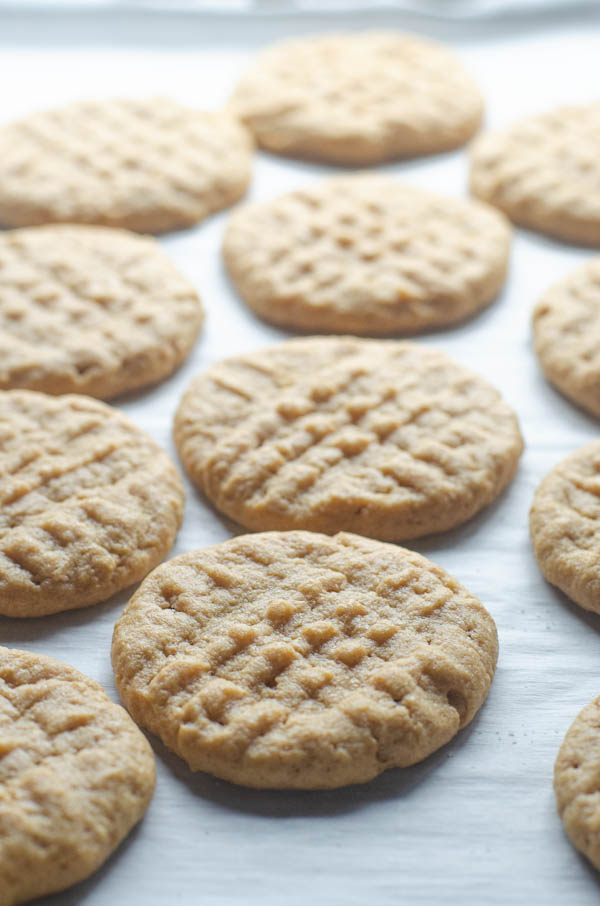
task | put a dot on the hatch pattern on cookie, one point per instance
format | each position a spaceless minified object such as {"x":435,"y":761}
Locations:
{"x":150,"y":165}
{"x":75,"y":775}
{"x":544,"y":171}
{"x":368,"y":255}
{"x":392,"y":440}
{"x":295,"y":659}
{"x":566,"y":325}
{"x":359,"y":98}
{"x":89,"y":503}
{"x":565,"y":526}
{"x":90,"y":310}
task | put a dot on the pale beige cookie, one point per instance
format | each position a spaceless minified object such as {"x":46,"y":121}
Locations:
{"x":75,"y":775}
{"x":89,"y":503}
{"x":150,"y":165}
{"x":298,"y":660}
{"x":387,"y":439}
{"x":544,"y":172}
{"x":90,"y":310}
{"x":565,"y":526}
{"x":358,"y":98}
{"x":577,"y":782}
{"x":366,"y":254}
{"x":566,"y":325}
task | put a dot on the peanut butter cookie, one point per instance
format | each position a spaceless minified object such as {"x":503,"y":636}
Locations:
{"x":75,"y":775}
{"x":566,"y":326}
{"x":90,"y":310}
{"x":388,"y":439}
{"x":358,"y":98}
{"x":565,"y":526}
{"x":577,"y":782}
{"x":544,"y":173}
{"x":298,"y":660}
{"x":148,"y":165}
{"x":89,"y":503}
{"x":366,"y":254}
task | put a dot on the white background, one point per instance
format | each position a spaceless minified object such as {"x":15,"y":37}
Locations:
{"x":476,"y":822}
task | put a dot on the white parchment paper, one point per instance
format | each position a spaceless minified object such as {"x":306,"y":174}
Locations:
{"x":476,"y":822}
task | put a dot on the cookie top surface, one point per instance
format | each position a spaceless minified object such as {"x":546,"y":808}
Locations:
{"x":75,"y":775}
{"x":544,"y":172}
{"x":565,"y":526}
{"x":149,"y":165}
{"x":90,"y":310}
{"x":388,"y":439}
{"x":366,"y":254}
{"x":577,"y":782}
{"x":566,"y":325}
{"x":358,"y":98}
{"x":298,"y":660}
{"x":89,"y":503}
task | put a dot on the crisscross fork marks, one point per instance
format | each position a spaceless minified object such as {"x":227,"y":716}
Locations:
{"x":285,"y":643}
{"x":566,"y":327}
{"x":358,"y":98}
{"x":93,"y":512}
{"x":367,"y":255}
{"x":565,"y":525}
{"x":75,"y":775}
{"x":390,"y":439}
{"x":92,"y":310}
{"x":149,"y":165}
{"x":543,"y":172}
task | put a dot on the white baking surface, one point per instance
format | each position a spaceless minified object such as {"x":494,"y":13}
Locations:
{"x":476,"y":822}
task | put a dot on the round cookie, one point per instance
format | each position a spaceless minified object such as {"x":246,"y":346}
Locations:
{"x":90,"y":310}
{"x":566,"y":326}
{"x":296,"y":660}
{"x":565,"y":526}
{"x":366,"y":254}
{"x":75,"y":775}
{"x":358,"y":98}
{"x":577,"y":782}
{"x":388,"y":439}
{"x":544,"y":173}
{"x":89,"y":503}
{"x":149,"y":165}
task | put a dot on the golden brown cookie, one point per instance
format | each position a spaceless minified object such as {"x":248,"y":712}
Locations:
{"x":366,"y":254}
{"x":565,"y":526}
{"x":388,"y":439}
{"x":89,"y":503}
{"x":566,"y":326}
{"x":544,"y":173}
{"x":358,"y":98}
{"x":294,"y":659}
{"x":577,"y":782}
{"x":149,"y":165}
{"x":75,"y":775}
{"x":90,"y":310}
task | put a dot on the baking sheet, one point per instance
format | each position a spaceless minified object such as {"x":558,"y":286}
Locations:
{"x":476,"y":822}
